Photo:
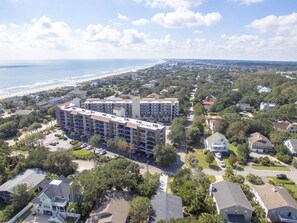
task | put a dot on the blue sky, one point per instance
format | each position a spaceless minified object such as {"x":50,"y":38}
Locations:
{"x":207,"y":29}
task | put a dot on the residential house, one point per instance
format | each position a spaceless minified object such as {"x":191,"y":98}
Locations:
{"x":114,"y":210}
{"x":23,"y":112}
{"x":53,"y":200}
{"x":55,"y":101}
{"x":165,"y":207}
{"x":263,"y":89}
{"x":266,"y":106}
{"x":212,"y":122}
{"x":291,"y":144}
{"x":207,"y":104}
{"x":217,"y":143}
{"x":231,"y":203}
{"x":32,"y":177}
{"x":259,"y":143}
{"x":244,"y":107}
{"x":78,"y":94}
{"x":285,"y":126}
{"x":277,"y":202}
{"x":153,"y":95}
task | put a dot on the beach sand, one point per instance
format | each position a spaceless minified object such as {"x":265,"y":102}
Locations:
{"x":74,"y":82}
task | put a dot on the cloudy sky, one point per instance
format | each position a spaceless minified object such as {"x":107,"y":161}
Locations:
{"x":85,"y":29}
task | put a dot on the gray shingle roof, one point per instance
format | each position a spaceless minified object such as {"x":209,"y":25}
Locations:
{"x":31,"y":177}
{"x":215,"y":137}
{"x":294,"y":143}
{"x":166,"y":207}
{"x":228,"y":194}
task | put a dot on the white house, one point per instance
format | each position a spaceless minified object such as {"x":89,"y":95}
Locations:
{"x":263,"y":89}
{"x":291,"y":144}
{"x":53,"y":200}
{"x":217,"y":142}
{"x":265,"y":106}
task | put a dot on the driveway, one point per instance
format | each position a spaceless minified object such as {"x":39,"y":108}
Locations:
{"x":39,"y":218}
{"x":64,"y":144}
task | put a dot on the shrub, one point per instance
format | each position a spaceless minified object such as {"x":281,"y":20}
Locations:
{"x":254,"y":179}
{"x":193,"y":161}
{"x":265,"y":161}
{"x":285,"y":158}
{"x":256,"y":160}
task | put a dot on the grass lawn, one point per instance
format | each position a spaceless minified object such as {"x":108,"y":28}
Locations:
{"x":168,"y":189}
{"x":232,"y":149}
{"x":25,"y":215}
{"x":279,"y":168}
{"x":212,"y":178}
{"x":281,"y":182}
{"x":201,"y":157}
{"x":292,"y":188}
{"x":82,"y":154}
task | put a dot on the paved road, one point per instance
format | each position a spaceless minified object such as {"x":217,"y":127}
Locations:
{"x":163,"y":183}
{"x":262,"y":173}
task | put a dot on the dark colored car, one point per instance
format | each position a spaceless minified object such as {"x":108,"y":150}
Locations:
{"x":281,"y":176}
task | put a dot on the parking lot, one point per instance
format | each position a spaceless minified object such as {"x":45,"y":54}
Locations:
{"x":51,"y":138}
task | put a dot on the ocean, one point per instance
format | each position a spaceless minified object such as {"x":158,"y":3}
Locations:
{"x":26,"y":76}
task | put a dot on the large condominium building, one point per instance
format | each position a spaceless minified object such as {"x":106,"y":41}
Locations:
{"x":143,"y":135}
{"x":147,"y":109}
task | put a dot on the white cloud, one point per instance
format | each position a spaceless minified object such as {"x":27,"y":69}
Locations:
{"x":275,"y":23}
{"x":186,"y":18}
{"x":173,"y":3}
{"x":43,"y":33}
{"x":101,"y":33}
{"x":122,"y":17}
{"x":140,"y":22}
{"x":132,"y":36}
{"x":248,"y":2}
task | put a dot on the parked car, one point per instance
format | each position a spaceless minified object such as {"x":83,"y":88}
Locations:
{"x":222,"y":164}
{"x":52,"y":143}
{"x":218,"y":155}
{"x":281,"y":176}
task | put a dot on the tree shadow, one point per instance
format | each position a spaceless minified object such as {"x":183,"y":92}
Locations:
{"x":214,"y":167}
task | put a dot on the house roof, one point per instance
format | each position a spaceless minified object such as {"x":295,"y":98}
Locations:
{"x":258,"y":140}
{"x":166,"y":207}
{"x":31,"y":177}
{"x":216,"y":137}
{"x":293,"y":143}
{"x":282,"y":126}
{"x":208,"y":102}
{"x":115,"y":210}
{"x":55,"y":188}
{"x":275,"y":197}
{"x":228,"y":194}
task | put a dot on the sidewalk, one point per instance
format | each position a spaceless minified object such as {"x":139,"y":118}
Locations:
{"x":163,"y":183}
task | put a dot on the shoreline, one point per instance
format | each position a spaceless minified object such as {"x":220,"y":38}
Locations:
{"x":73,"y":82}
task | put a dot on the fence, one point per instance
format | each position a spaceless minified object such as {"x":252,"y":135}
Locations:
{"x":16,"y":217}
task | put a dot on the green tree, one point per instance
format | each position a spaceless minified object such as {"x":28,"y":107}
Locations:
{"x":243,"y":153}
{"x":72,"y":207}
{"x":21,"y":195}
{"x":193,"y":135}
{"x":139,"y":210}
{"x":232,"y":160}
{"x":165,"y":155}
{"x":60,"y":163}
{"x":95,"y":140}
{"x":177,"y":133}
{"x":34,"y":126}
{"x":149,"y":186}
{"x":209,"y":158}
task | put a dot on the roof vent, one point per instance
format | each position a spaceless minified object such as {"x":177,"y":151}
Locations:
{"x":274,"y":189}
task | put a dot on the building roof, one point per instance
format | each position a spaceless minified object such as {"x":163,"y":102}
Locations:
{"x":31,"y":177}
{"x":23,"y":112}
{"x":205,"y":102}
{"x":216,"y":137}
{"x":129,"y":101}
{"x":109,"y":117}
{"x":282,"y":126}
{"x":55,"y":188}
{"x":229,"y":194}
{"x":275,"y":197}
{"x":293,"y":143}
{"x":258,"y":140}
{"x":115,"y":210}
{"x":166,"y":207}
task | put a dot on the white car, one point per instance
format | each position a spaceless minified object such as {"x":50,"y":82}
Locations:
{"x":218,"y":155}
{"x":222,"y":164}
